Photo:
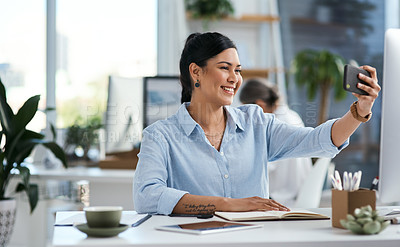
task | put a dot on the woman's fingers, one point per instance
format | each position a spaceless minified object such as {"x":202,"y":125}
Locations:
{"x":371,"y":90}
{"x":256,"y":204}
{"x":371,"y":81}
{"x":268,"y":204}
{"x":371,"y":70}
{"x":371,"y":86}
{"x":279,"y":206}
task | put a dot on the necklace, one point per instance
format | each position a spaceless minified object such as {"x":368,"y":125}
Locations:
{"x":214,"y":135}
{"x":215,"y":139}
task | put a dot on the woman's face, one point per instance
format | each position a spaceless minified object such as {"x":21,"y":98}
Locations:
{"x":220,"y":79}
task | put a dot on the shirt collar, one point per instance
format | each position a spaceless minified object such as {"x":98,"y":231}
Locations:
{"x":185,"y":120}
{"x":188,"y":124}
{"x":233,"y":116}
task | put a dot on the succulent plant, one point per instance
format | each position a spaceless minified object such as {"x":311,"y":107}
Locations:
{"x":365,"y":221}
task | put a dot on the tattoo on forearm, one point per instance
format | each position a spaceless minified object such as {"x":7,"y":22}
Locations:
{"x":199,"y":208}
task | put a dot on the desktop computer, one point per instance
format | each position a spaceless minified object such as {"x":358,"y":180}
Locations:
{"x":124,"y":115}
{"x":162,"y":98}
{"x":389,"y":163}
{"x":135,"y":103}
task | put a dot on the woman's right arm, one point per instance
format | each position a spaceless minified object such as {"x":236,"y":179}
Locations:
{"x":151,"y":193}
{"x":195,"y":204}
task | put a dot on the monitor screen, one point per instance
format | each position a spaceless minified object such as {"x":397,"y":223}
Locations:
{"x":389,"y":163}
{"x":123,"y":118}
{"x":162,"y":98}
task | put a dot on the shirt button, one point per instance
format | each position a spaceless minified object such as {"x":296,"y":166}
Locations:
{"x":222,"y":153}
{"x":226,"y":176}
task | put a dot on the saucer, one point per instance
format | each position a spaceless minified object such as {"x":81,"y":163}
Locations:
{"x":101,"y":232}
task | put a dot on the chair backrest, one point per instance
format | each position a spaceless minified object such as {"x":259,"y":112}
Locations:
{"x":309,"y":195}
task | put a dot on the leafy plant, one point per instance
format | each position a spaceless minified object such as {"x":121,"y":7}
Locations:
{"x":17,"y":143}
{"x":83,"y":135}
{"x":320,"y":71}
{"x":209,"y":10}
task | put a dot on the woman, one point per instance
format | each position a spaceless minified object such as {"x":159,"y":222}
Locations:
{"x":212,"y":157}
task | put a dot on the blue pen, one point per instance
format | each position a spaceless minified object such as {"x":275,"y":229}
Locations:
{"x":137,"y":223}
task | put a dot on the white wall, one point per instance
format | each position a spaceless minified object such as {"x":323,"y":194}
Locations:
{"x":392,"y":15}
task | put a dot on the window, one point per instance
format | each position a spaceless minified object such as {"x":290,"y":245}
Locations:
{"x":96,"y":39}
{"x":328,"y":24}
{"x":22,"y":54}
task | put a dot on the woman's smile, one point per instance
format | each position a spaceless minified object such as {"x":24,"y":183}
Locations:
{"x":228,"y":90}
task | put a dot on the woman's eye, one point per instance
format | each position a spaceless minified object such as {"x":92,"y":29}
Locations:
{"x":225,"y":68}
{"x":238,"y":71}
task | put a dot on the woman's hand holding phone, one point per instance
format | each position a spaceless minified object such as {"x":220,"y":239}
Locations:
{"x":364,"y":87}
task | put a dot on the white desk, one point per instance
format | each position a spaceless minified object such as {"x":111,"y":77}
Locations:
{"x":274,"y":233}
{"x":108,"y":187}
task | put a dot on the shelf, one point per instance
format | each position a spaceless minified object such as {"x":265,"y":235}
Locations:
{"x":249,"y":73}
{"x":265,"y":72}
{"x":255,"y":18}
{"x":243,"y":18}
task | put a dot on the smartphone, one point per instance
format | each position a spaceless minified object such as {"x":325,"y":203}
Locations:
{"x":351,"y":79}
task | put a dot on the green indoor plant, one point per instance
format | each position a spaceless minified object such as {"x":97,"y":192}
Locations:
{"x":320,"y":71}
{"x":17,"y":143}
{"x":83,"y":135}
{"x":209,"y":10}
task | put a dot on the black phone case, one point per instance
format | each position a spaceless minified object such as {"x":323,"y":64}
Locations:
{"x":351,"y":79}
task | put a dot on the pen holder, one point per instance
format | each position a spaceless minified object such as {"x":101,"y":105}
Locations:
{"x":344,"y":202}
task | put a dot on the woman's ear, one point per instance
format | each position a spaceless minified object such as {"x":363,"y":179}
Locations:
{"x":194,"y":71}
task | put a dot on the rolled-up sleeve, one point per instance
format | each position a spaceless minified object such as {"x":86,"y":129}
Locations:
{"x":287,"y":141}
{"x":150,"y":191}
{"x":326,"y":138}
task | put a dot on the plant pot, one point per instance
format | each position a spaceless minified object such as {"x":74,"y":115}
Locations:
{"x":7,"y":218}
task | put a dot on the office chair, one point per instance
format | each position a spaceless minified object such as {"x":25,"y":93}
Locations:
{"x":310,"y":192}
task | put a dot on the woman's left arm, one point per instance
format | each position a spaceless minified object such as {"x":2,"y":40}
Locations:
{"x":343,"y":128}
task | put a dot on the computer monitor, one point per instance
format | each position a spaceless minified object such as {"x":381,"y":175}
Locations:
{"x":389,"y":163}
{"x":162,"y":98}
{"x":124,"y":115}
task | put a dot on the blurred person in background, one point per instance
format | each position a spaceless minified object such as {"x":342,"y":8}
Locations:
{"x":285,"y":176}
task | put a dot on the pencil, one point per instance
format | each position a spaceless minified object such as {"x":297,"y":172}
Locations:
{"x":137,"y":223}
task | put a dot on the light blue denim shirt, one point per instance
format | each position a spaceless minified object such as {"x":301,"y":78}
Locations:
{"x":176,"y":157}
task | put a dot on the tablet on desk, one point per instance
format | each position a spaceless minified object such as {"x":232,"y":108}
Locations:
{"x":207,"y":227}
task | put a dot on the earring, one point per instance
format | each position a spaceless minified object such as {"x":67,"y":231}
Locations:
{"x":197,"y":84}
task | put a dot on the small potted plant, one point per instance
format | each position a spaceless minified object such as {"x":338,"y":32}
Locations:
{"x":16,"y":144}
{"x":82,"y":136}
{"x":209,"y":10}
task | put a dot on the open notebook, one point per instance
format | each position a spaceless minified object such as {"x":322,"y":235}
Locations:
{"x":271,"y":215}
